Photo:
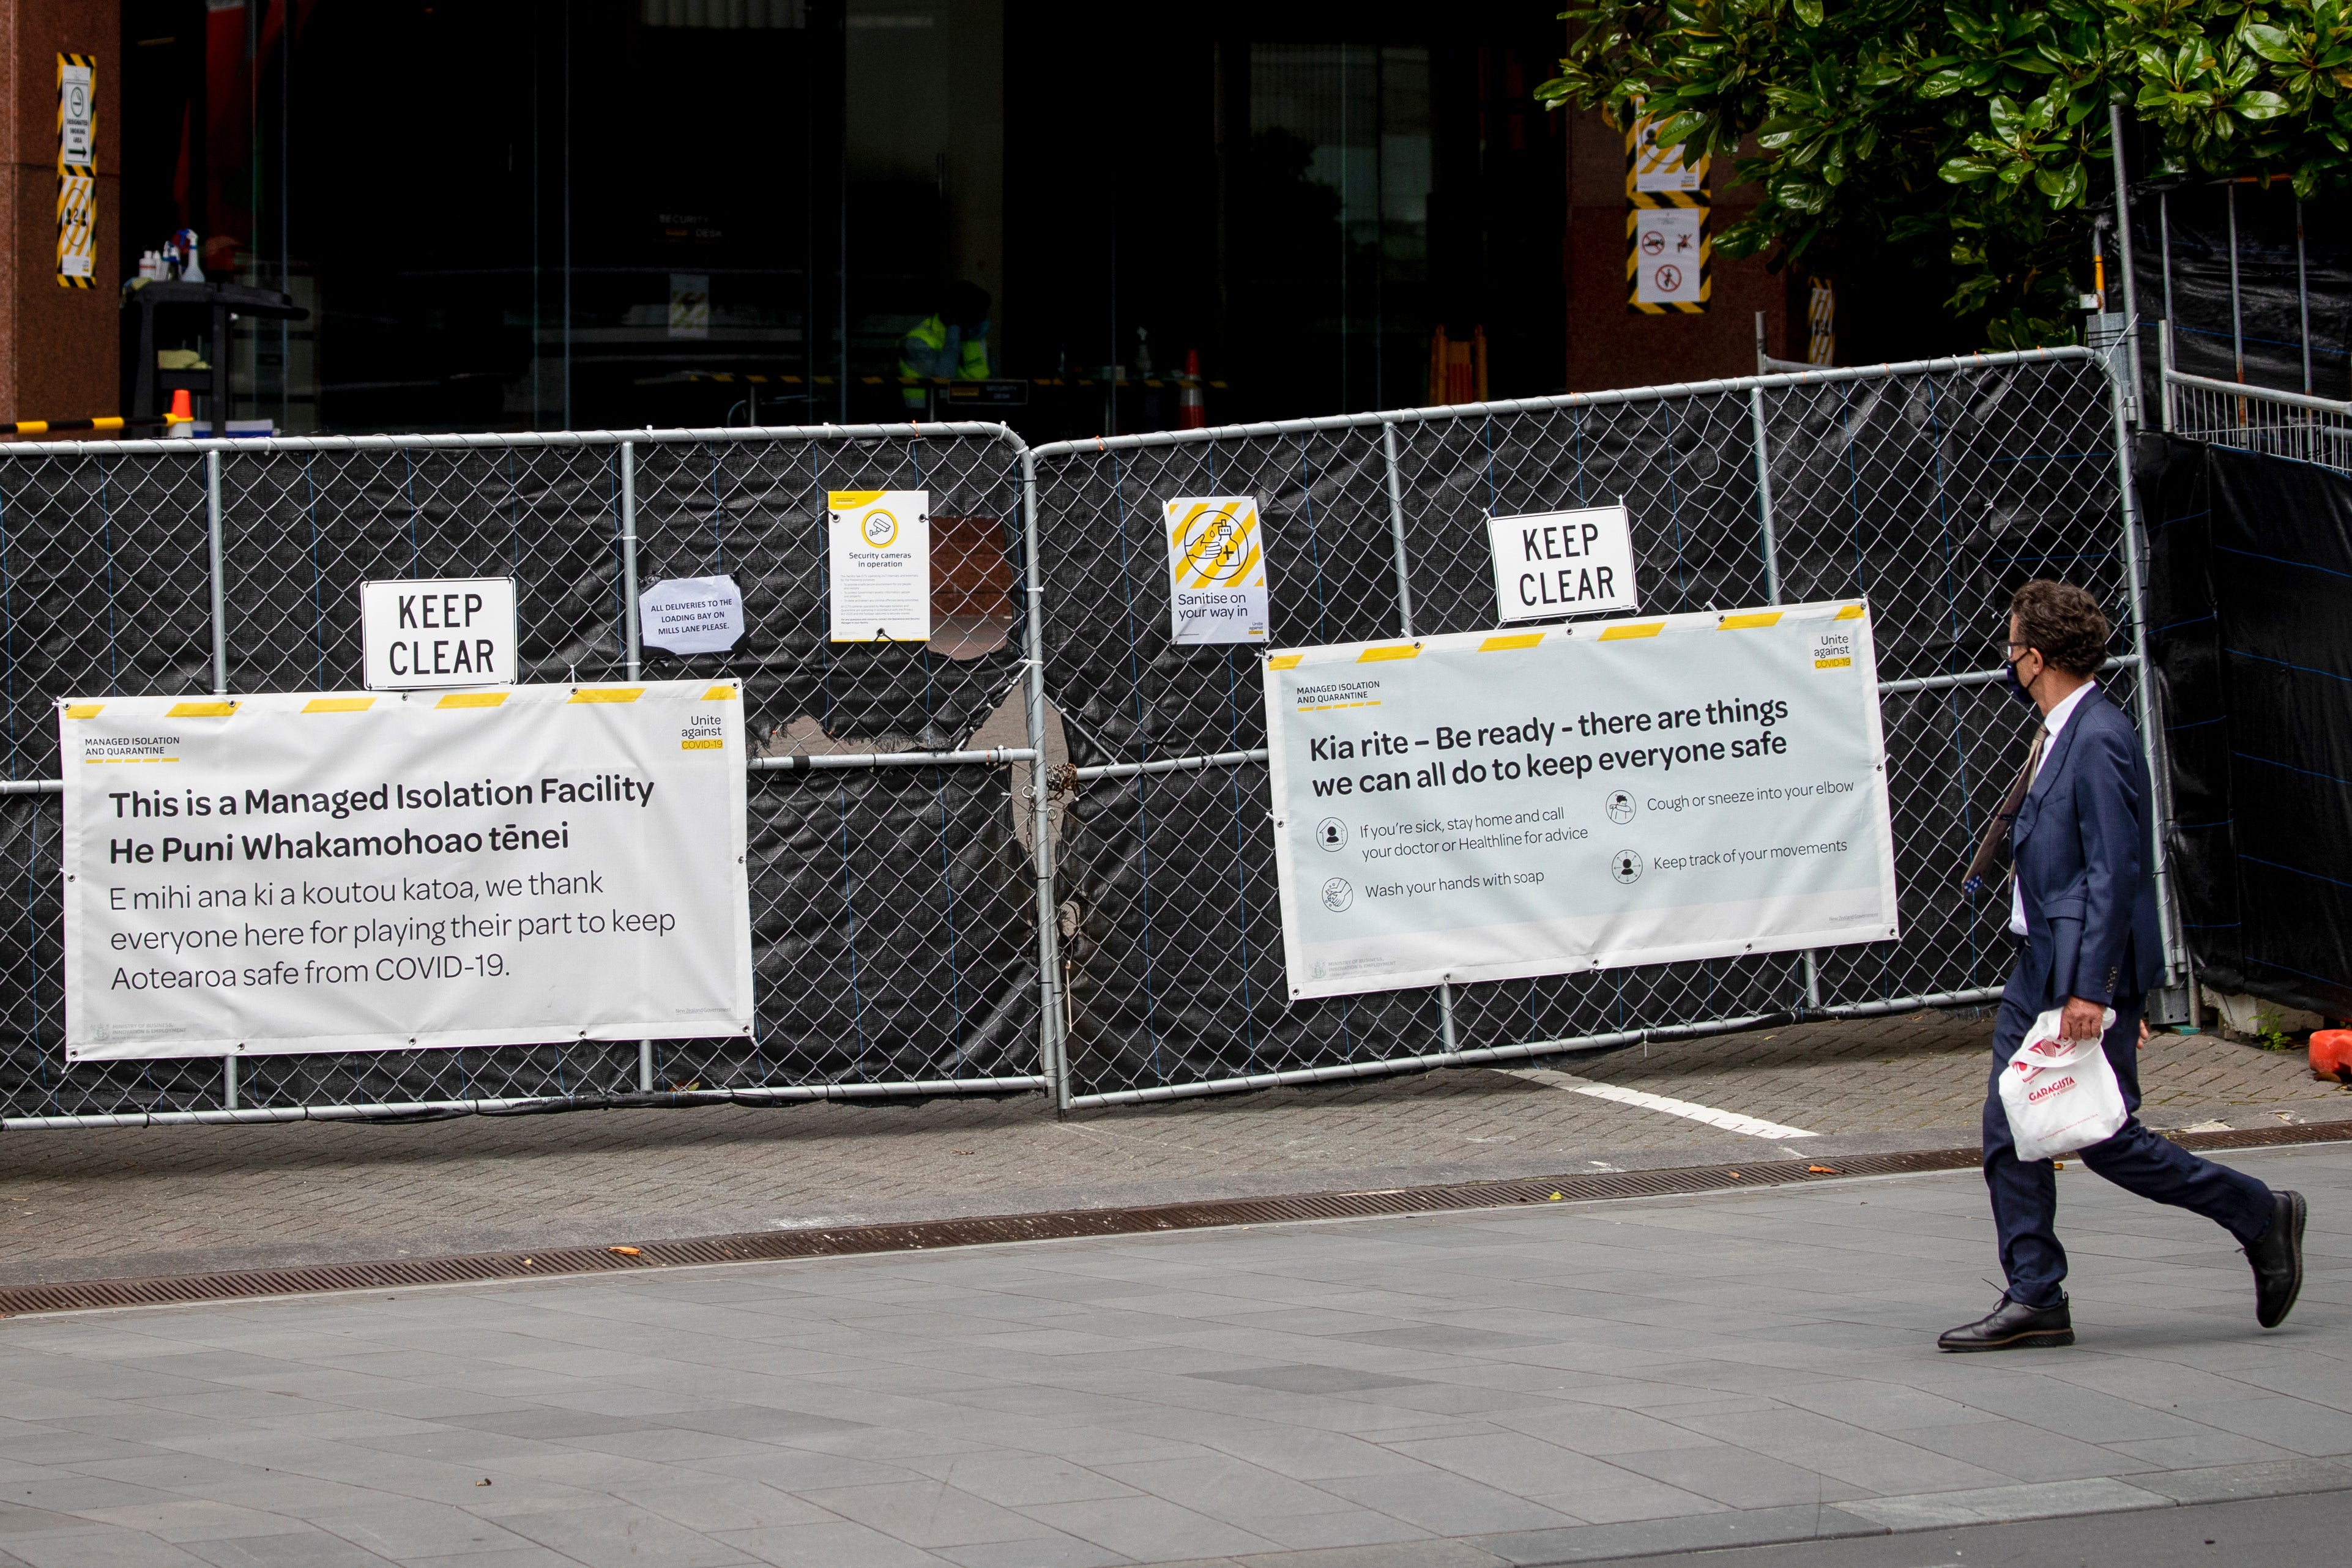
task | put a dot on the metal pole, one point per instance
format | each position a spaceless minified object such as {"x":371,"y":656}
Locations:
{"x":629,"y":553}
{"x":2164,"y":246}
{"x":1772,"y":596}
{"x":2302,"y":295}
{"x":2124,"y":248}
{"x":228,"y":1082}
{"x":220,"y":597}
{"x":1053,"y":1039}
{"x":2164,"y":368}
{"x":645,"y":1067}
{"x":1396,"y":530}
{"x":2236,"y":325}
{"x":2150,"y":731}
{"x":1445,"y":1013}
{"x":1764,"y":498}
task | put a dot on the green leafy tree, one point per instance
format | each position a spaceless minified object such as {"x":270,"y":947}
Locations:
{"x":1967,"y":143}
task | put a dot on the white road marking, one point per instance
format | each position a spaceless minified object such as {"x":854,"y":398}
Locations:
{"x":1730,"y":1121}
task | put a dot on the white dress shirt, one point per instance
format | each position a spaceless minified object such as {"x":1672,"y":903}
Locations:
{"x":2052,"y":724}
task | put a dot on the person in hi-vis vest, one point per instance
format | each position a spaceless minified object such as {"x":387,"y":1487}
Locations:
{"x":950,"y":344}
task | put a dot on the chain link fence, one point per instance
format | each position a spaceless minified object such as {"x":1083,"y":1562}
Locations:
{"x":925,"y":921}
{"x":893,"y":900}
{"x":1932,"y":489}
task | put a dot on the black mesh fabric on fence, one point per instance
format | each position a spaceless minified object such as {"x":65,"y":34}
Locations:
{"x":893,"y":916}
{"x":1933,"y":493}
{"x":2251,"y":641}
{"x":893,"y":908}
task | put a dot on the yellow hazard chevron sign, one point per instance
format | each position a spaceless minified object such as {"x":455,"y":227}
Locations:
{"x":1669,"y":251}
{"x":76,"y":170}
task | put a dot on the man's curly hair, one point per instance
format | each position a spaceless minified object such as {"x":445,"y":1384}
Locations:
{"x":2061,"y":623}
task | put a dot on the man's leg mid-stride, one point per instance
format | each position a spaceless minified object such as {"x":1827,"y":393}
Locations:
{"x":2033,"y":1310}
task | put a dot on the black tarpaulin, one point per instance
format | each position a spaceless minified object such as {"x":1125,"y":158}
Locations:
{"x":2251,"y":574}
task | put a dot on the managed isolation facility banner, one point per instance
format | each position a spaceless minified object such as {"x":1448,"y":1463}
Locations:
{"x":1492,"y":806}
{"x":391,"y":872}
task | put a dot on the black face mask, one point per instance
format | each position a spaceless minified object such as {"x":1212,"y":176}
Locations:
{"x":2015,"y":686}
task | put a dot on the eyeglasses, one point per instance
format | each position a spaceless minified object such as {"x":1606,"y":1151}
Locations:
{"x":2021,"y":649}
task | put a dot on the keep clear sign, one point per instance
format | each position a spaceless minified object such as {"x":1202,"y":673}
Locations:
{"x":881,"y":561}
{"x":1493,"y":806}
{"x":353,"y":872}
{"x":1551,"y":564}
{"x":1216,"y":571}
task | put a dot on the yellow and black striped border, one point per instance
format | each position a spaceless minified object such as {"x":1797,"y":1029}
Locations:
{"x":77,"y":186}
{"x":1639,"y":201}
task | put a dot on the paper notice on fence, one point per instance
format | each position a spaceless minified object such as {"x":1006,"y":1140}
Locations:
{"x":382,"y":872}
{"x":1492,"y":806}
{"x":1216,"y":571}
{"x":881,"y":560}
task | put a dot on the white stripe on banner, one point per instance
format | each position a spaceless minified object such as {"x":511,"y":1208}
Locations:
{"x":1730,"y":1121}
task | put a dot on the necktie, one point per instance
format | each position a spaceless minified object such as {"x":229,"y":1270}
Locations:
{"x":1992,"y":850}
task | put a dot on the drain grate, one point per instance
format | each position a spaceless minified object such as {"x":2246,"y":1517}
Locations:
{"x":772,"y":1245}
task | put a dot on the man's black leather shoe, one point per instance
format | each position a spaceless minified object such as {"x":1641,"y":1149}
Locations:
{"x":2277,"y":1258}
{"x":2013,"y":1326}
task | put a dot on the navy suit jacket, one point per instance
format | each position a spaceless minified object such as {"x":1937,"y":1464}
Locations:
{"x":2080,"y":843}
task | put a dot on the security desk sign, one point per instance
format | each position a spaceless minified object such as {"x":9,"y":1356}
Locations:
{"x":424,"y":634}
{"x":880,"y":558}
{"x":1499,"y":805}
{"x":1216,"y":571}
{"x":691,"y":615}
{"x":1552,"y":564}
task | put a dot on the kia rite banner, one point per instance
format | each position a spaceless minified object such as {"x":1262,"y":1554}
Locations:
{"x":1491,"y":806}
{"x":391,"y":871}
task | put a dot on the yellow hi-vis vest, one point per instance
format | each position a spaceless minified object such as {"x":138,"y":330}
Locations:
{"x":925,"y":355}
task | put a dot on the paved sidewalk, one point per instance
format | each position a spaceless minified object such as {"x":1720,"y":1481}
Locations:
{"x":1470,"y":1390}
{"x":81,"y":1204}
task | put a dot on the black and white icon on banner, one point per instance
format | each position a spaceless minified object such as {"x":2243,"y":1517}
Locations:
{"x":1331,"y":834}
{"x":1339,"y":893}
{"x":1620,"y":806}
{"x":1625,"y":866}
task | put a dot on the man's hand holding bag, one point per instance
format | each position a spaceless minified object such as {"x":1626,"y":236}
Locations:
{"x":2061,"y":1095}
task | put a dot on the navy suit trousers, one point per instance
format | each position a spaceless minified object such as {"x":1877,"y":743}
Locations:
{"x":2025,"y":1196}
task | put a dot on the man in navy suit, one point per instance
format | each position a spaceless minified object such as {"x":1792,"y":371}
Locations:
{"x":2083,"y":909}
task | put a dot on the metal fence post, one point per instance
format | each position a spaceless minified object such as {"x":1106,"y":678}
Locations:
{"x":1771,"y":541}
{"x":629,"y":553}
{"x":220,"y":593}
{"x":1396,"y":529}
{"x":2151,"y":730}
{"x":1053,"y":1039}
{"x":628,"y":457}
{"x":228,"y":1083}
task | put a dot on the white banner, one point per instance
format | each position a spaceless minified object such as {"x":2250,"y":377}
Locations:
{"x":353,"y":872}
{"x":1494,"y":805}
{"x":1216,"y":571}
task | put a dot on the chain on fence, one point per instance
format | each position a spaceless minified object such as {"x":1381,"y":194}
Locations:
{"x":896,"y":880}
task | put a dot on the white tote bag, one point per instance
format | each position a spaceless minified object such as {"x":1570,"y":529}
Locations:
{"x":2061,"y":1095}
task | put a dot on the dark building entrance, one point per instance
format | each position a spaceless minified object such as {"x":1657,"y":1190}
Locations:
{"x":516,"y":215}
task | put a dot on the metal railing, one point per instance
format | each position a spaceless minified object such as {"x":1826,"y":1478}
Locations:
{"x":2255,"y":419}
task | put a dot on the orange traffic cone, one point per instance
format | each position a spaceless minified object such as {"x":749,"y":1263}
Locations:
{"x":1191,"y":405}
{"x":182,"y":420}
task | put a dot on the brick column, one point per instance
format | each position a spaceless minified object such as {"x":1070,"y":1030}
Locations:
{"x":59,"y":354}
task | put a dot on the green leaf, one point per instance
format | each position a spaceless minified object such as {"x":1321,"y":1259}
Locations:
{"x":2272,"y":42}
{"x":1809,"y":12}
{"x":1962,"y":171}
{"x":2259,"y":105}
